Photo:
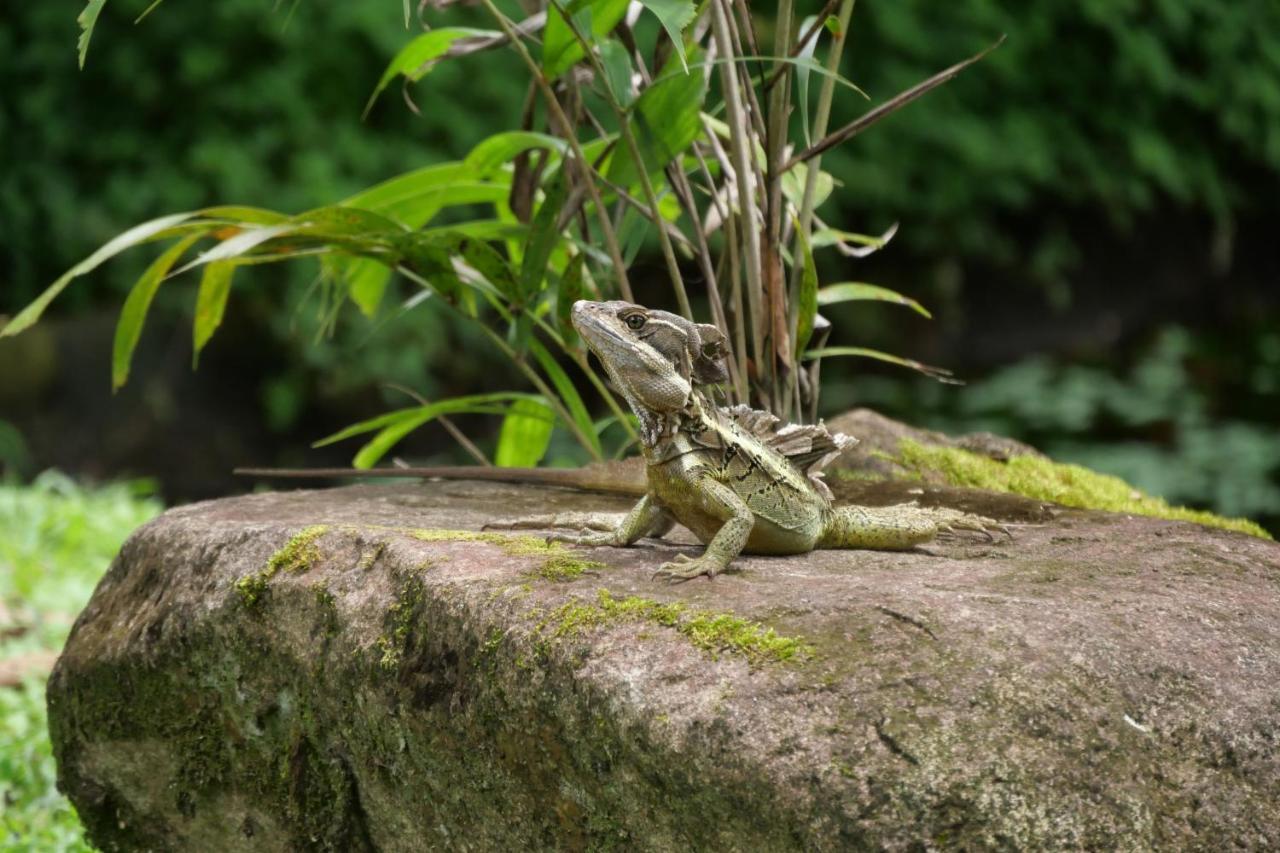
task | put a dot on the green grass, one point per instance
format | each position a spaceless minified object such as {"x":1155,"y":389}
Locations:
{"x":56,"y":541}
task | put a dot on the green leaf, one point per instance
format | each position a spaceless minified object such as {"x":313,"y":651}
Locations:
{"x":211,"y":304}
{"x":525,"y":434}
{"x":851,"y":291}
{"x":569,"y":394}
{"x":593,"y":18}
{"x":153,"y":230}
{"x":490,"y":263}
{"x":501,"y":148}
{"x":806,"y":295}
{"x":87,"y":19}
{"x":793,"y":183}
{"x":569,"y":291}
{"x":543,"y":238}
{"x":675,"y":15}
{"x":393,"y":426}
{"x":243,"y":242}
{"x":417,"y":57}
{"x":134,"y":312}
{"x":938,"y":373}
{"x":616,"y":60}
{"x":802,"y":77}
{"x":666,"y":121}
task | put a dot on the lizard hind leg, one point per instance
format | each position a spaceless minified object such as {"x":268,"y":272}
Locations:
{"x":897,"y":528}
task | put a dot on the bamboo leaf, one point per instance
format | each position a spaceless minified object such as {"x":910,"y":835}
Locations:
{"x":806,"y":294}
{"x":417,"y":57}
{"x":674,"y":15}
{"x":939,"y":373}
{"x":87,"y":20}
{"x":241,"y":243}
{"x":543,"y":237}
{"x":667,"y":120}
{"x":616,"y":60}
{"x":568,"y":394}
{"x":134,"y":312}
{"x":593,"y":18}
{"x":569,"y":291}
{"x":802,"y":77}
{"x":525,"y":434}
{"x":139,"y":234}
{"x":211,"y":304}
{"x":500,"y":148}
{"x":851,"y":291}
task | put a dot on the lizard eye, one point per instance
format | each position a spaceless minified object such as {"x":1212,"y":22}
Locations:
{"x":635,"y":321}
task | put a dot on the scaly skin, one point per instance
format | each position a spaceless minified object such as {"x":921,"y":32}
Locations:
{"x":735,"y":477}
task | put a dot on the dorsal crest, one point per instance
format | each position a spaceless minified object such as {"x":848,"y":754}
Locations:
{"x":809,"y":447}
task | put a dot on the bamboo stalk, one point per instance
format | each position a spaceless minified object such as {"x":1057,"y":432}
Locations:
{"x":742,"y":166}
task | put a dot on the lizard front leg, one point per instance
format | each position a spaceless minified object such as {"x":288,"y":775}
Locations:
{"x":716,"y":499}
{"x":646,"y":518}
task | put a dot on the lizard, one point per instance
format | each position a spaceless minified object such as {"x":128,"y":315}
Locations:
{"x":739,"y":478}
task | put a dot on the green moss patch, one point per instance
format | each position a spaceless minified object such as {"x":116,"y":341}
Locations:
{"x":711,"y":632}
{"x":1069,"y":485}
{"x":559,"y":563}
{"x":298,"y":555}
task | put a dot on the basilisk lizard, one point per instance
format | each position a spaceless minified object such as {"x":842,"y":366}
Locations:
{"x":738,"y":478}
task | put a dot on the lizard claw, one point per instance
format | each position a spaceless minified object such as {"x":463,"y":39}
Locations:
{"x":684,"y":568}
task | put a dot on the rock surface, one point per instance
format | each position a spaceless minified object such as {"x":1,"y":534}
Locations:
{"x":336,"y":670}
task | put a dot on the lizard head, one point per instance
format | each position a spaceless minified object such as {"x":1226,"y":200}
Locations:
{"x":655,"y":358}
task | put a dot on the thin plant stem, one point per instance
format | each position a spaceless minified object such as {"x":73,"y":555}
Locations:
{"x":742,"y":166}
{"x":566,"y":127}
{"x":633,"y":147}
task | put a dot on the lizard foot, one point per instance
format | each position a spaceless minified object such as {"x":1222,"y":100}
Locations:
{"x":953,"y":522}
{"x":584,"y":538}
{"x":684,"y":568}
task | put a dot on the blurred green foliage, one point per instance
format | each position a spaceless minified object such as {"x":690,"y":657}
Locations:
{"x":1093,"y":112}
{"x":237,"y":101}
{"x":56,"y":541}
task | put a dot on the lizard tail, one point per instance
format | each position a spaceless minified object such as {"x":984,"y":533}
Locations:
{"x":886,"y":528}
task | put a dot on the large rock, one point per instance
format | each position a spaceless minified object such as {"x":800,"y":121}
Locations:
{"x":351,"y":670}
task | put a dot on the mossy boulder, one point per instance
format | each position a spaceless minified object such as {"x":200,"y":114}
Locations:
{"x":365,"y":669}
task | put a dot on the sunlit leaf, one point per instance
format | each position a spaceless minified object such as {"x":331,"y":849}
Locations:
{"x":568,"y":394}
{"x":403,"y":421}
{"x":501,"y":148}
{"x":139,"y":234}
{"x":211,"y":304}
{"x":806,"y":294}
{"x":134,"y":312}
{"x":675,"y":15}
{"x":938,"y":373}
{"x":593,"y":18}
{"x":525,"y":434}
{"x":87,"y":19}
{"x":851,"y":291}
{"x":416,"y":58}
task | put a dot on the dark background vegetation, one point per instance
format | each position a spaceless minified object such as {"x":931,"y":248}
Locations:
{"x":1091,"y":213}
